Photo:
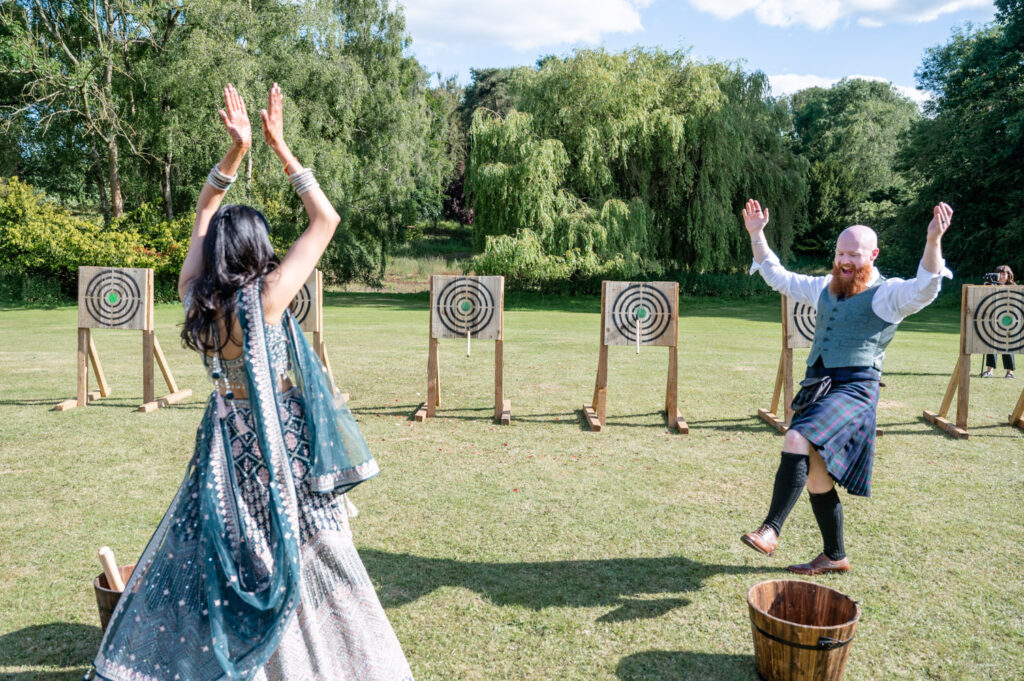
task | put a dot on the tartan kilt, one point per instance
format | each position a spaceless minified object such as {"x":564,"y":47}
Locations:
{"x":841,"y":425}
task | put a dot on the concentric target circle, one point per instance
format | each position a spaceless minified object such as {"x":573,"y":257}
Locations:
{"x":805,"y":320}
{"x":113,"y":298}
{"x":641,"y":306}
{"x":999,"y":321}
{"x":301,"y":304}
{"x":464,"y":306}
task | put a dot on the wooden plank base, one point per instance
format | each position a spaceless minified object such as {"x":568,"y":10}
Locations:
{"x":946,"y":425}
{"x":170,"y":398}
{"x":772,"y":420}
{"x":72,"y":403}
{"x":421,"y":413}
{"x":506,"y":412}
{"x":778,"y":424}
{"x":592,"y":420}
{"x":679,"y":424}
{"x":1019,"y":423}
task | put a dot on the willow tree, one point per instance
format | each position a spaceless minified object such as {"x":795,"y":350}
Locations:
{"x":655,"y":155}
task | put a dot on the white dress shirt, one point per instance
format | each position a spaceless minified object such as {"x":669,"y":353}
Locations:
{"x":895,"y":300}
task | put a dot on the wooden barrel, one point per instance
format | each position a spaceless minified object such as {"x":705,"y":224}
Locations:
{"x":802,"y":631}
{"x":106,"y":598}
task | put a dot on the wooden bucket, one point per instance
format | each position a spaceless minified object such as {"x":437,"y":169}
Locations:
{"x":106,"y":598}
{"x":802,"y":631}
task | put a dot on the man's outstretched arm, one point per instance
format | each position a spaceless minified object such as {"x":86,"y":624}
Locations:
{"x":799,"y":287}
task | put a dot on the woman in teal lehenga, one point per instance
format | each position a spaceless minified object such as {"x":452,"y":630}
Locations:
{"x":252,"y":573}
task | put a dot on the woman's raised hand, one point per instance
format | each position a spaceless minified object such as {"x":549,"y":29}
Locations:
{"x":235,"y":118}
{"x":273,"y":123}
{"x":754,"y":219}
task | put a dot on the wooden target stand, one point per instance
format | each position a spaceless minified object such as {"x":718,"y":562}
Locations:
{"x":465,"y":308}
{"x":798,"y":324}
{"x":636,"y":314}
{"x":119,"y":298}
{"x":991,"y":322}
{"x":308,"y":308}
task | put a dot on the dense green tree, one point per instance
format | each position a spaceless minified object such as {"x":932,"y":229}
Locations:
{"x":85,"y":79}
{"x":644,"y":153}
{"x":969,"y":148}
{"x":849,"y":134}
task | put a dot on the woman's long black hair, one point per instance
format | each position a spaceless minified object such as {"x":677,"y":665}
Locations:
{"x":236,"y":252}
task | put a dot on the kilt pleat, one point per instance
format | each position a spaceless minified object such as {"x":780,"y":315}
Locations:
{"x":841,"y":425}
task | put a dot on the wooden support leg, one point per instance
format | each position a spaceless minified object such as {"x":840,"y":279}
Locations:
{"x":595,"y":411}
{"x":84,"y":338}
{"x":148,"y":389}
{"x":787,"y":385}
{"x":769,"y":415}
{"x":429,"y":408}
{"x":502,"y":407}
{"x":97,"y":368}
{"x":672,"y":413}
{"x":963,"y":392}
{"x":174,"y":395}
{"x":955,"y":381}
{"x":1017,"y":416}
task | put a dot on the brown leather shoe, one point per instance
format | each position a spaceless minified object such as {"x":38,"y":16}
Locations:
{"x":821,"y":565}
{"x":763,"y":540}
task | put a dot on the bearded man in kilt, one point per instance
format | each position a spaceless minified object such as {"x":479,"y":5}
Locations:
{"x":833,"y":439}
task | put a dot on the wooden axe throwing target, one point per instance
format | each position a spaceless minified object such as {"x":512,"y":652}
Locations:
{"x":119,"y":298}
{"x":991,"y":322}
{"x":801,"y":322}
{"x":638,"y":314}
{"x":466,"y":308}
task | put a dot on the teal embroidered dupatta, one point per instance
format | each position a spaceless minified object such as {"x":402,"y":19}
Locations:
{"x":206,"y":601}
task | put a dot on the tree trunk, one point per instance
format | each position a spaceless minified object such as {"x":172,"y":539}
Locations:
{"x":166,"y":182}
{"x":116,"y":202}
{"x":101,"y":183}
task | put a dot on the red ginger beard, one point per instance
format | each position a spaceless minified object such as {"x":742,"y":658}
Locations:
{"x":844,"y":287}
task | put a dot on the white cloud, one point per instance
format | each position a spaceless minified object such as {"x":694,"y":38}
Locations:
{"x":788,"y":83}
{"x":521,"y":24}
{"x":820,"y":14}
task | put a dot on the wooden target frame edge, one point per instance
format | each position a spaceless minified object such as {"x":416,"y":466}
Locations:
{"x":979,"y":345}
{"x":959,"y":386}
{"x":151,"y":353}
{"x":595,"y":412}
{"x":502,"y":406}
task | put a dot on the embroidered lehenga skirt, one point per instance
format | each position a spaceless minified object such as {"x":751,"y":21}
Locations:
{"x":339,"y":630}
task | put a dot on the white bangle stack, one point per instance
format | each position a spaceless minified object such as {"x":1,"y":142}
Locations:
{"x":303,"y":181}
{"x":219,"y":180}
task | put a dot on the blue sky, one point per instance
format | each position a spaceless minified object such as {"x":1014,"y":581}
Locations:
{"x":797,"y":43}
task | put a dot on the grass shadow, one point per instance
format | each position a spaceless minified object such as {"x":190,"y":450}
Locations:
{"x":57,"y":644}
{"x":671,"y":665}
{"x":618,"y":583}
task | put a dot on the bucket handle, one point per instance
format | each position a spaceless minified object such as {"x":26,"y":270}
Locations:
{"x":824,"y":642}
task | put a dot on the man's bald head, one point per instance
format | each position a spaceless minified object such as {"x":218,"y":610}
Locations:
{"x":858,"y":237}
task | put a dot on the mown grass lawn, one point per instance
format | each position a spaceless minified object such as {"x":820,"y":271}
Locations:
{"x":541,"y":550}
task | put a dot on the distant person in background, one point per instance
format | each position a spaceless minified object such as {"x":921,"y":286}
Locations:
{"x":1005,"y":279}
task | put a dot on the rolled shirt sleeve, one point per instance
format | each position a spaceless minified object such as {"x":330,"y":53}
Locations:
{"x":800,"y":287}
{"x":900,"y":298}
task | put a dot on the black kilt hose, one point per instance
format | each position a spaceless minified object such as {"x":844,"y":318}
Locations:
{"x":841,"y":425}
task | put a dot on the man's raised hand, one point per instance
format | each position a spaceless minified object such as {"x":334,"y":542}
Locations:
{"x":754,"y":219}
{"x":235,"y":118}
{"x":942,"y":215}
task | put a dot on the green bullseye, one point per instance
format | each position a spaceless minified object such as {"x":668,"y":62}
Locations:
{"x":1006,"y":320}
{"x":112,"y":298}
{"x":466,"y":306}
{"x":642,"y":312}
